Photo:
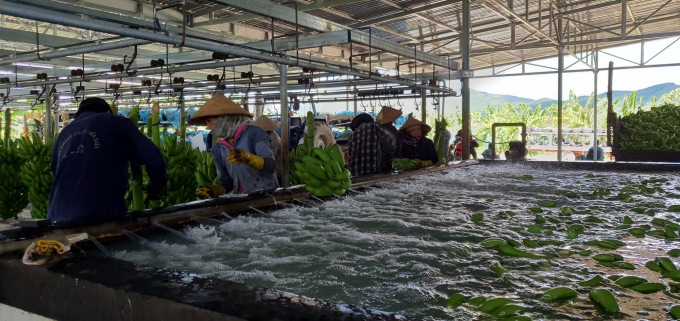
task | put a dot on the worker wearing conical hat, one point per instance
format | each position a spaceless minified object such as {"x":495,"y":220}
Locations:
{"x":245,"y":162}
{"x":270,"y":127}
{"x":387,"y":116}
{"x":414,"y":145}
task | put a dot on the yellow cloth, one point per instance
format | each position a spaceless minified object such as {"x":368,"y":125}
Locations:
{"x":213,"y":191}
{"x":44,"y":247}
{"x":425,"y":163}
{"x":240,"y":156}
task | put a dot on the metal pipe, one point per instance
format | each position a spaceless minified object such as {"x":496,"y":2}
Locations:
{"x":47,"y":133}
{"x":595,"y":144}
{"x":355,"y":101}
{"x":624,"y":19}
{"x":46,"y":16}
{"x":285,"y":125}
{"x":560,"y":71}
{"x":154,"y":71}
{"x":77,"y":51}
{"x":465,"y":81}
{"x":610,"y":103}
{"x":423,"y":105}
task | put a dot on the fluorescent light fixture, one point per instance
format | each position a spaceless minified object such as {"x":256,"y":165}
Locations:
{"x":122,"y":82}
{"x":190,"y":88}
{"x":5,"y":72}
{"x":63,"y":78}
{"x":32,"y":65}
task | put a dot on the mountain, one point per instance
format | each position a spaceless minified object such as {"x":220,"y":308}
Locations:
{"x":479,"y":99}
{"x":646,"y":94}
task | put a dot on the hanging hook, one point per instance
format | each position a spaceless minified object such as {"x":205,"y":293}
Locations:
{"x":37,"y":41}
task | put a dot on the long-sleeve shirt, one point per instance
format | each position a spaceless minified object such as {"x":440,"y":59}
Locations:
{"x":369,"y":144}
{"x":600,"y":154}
{"x":90,"y":166}
{"x":424,"y":150}
{"x":241,"y":178}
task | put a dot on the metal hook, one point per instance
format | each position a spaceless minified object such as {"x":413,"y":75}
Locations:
{"x":129,"y":63}
{"x":37,"y":41}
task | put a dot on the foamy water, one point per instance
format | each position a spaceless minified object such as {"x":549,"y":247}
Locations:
{"x":406,"y":246}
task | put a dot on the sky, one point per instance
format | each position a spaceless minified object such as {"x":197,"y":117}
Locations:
{"x":545,"y":86}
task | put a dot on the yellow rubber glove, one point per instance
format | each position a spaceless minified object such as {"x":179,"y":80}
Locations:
{"x":240,"y":156}
{"x":425,"y":163}
{"x":206,"y":192}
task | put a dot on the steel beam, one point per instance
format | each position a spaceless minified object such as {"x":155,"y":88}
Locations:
{"x":595,"y":110}
{"x":465,"y":81}
{"x":77,"y":51}
{"x":560,"y":71}
{"x":285,"y":126}
{"x":42,"y":15}
{"x":405,"y":13}
{"x":250,"y":16}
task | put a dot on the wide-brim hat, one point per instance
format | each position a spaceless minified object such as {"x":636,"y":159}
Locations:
{"x":414,"y":122}
{"x":388,"y":115}
{"x":265,"y":123}
{"x":217,"y":105}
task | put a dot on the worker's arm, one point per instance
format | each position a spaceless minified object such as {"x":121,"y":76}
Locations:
{"x":220,"y":164}
{"x":142,"y":151}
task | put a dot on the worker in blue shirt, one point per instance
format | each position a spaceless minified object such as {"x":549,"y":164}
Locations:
{"x":590,"y":156}
{"x":90,"y":164}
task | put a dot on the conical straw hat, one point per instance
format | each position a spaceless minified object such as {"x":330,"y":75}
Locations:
{"x":414,"y":122}
{"x":387,"y":115}
{"x":217,"y":105}
{"x":265,"y":123}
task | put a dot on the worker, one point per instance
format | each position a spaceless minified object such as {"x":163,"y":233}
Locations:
{"x":600,"y":153}
{"x":245,"y":162}
{"x":370,"y":146}
{"x":414,"y":144}
{"x":90,"y":164}
{"x":270,"y":127}
{"x":387,"y":116}
{"x":488,"y":154}
{"x":473,"y":144}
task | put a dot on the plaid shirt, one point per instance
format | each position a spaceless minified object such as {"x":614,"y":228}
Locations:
{"x":369,"y":143}
{"x":275,"y":145}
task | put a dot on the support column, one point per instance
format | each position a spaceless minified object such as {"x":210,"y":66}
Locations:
{"x":47,"y":133}
{"x":560,"y":72}
{"x":464,"y":80}
{"x":423,"y":105}
{"x":595,"y":144}
{"x":56,"y":122}
{"x":259,"y":105}
{"x":355,"y":101}
{"x":285,"y":126}
{"x":182,"y":129}
{"x":624,"y":19}
{"x":610,"y":103}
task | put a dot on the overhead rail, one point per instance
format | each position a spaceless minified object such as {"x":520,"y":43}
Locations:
{"x":76,"y":51}
{"x":79,"y":22}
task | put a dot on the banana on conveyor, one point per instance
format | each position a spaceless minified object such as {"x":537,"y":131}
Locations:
{"x":404,"y":163}
{"x":35,"y":172}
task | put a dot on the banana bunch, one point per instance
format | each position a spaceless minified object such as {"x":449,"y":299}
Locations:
{"x":323,"y":173}
{"x":321,"y":170}
{"x":440,"y":138}
{"x":653,"y":130}
{"x":181,"y":163}
{"x":13,"y":192}
{"x":404,"y":163}
{"x":36,"y":173}
{"x":177,"y":154}
{"x":181,"y":188}
{"x":206,"y":172}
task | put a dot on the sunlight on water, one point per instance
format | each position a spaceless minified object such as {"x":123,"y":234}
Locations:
{"x":406,"y":246}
